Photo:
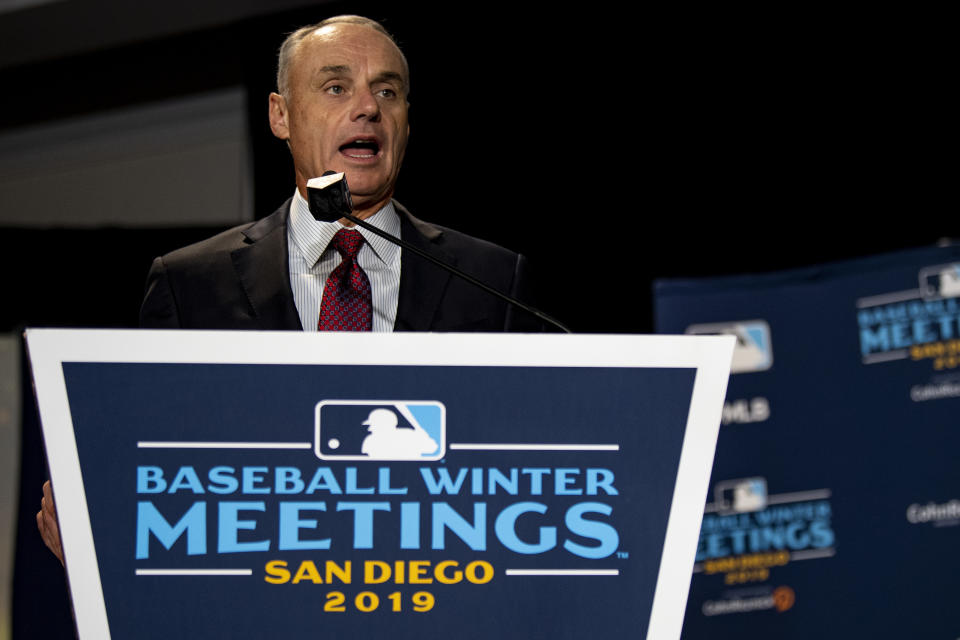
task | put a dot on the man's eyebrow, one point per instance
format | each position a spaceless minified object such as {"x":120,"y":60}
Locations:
{"x":388,"y":76}
{"x":334,"y":68}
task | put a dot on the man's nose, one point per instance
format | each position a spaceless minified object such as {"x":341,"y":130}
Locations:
{"x":365,"y":105}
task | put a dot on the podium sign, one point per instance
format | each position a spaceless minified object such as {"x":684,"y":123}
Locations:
{"x":250,"y":485}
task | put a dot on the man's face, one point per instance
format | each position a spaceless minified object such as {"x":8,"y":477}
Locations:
{"x":346,"y":110}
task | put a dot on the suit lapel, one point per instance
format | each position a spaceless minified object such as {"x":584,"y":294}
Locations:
{"x":263,"y":269}
{"x":422,"y":284}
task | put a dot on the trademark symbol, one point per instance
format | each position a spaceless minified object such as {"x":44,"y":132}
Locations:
{"x":623,"y":554}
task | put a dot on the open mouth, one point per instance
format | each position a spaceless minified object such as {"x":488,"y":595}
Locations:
{"x":361,"y":148}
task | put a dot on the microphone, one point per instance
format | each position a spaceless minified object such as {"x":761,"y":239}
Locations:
{"x":329,"y":200}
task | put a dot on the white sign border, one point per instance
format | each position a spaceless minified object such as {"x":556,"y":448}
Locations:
{"x":709,"y":355}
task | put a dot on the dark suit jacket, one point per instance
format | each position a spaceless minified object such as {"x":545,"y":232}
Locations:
{"x":239,"y":279}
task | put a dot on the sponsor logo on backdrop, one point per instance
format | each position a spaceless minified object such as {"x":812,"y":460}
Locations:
{"x":918,"y":325}
{"x":745,"y":411}
{"x":753,"y":352}
{"x":944,"y":514}
{"x":386,"y":486}
{"x":779,"y":598}
{"x":938,"y":388}
{"x":747,"y":532}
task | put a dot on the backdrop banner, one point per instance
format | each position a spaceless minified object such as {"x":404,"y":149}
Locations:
{"x":271,"y":485}
{"x":835,"y":495}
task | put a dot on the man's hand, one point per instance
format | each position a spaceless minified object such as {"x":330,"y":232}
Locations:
{"x":47,"y":522}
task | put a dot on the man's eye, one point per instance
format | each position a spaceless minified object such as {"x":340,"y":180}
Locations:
{"x":387,"y":93}
{"x":335,"y":90}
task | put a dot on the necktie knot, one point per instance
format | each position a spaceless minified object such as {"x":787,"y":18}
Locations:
{"x":347,"y":242}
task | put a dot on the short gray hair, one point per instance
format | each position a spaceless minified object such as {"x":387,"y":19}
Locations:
{"x":289,"y":47}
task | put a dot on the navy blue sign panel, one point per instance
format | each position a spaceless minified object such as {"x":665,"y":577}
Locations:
{"x":275,"y":499}
{"x":835,"y":496}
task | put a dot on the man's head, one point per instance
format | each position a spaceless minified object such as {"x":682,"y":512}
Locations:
{"x":342,"y":106}
{"x":381,"y":420}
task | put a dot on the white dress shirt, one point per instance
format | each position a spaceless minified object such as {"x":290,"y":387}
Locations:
{"x":311,"y":262}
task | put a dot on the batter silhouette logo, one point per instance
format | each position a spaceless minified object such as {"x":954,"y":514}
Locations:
{"x":941,"y":281}
{"x":380,"y":430}
{"x":740,"y":496}
{"x":754,"y":350}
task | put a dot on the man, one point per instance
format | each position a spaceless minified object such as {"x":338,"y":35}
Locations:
{"x":341,"y":106}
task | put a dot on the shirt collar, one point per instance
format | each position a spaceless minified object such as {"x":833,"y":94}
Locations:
{"x":312,"y":236}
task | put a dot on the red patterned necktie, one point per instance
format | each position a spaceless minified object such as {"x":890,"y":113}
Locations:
{"x":347,"y":302}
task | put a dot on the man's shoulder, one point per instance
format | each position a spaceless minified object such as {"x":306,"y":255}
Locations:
{"x":456,"y":243}
{"x":455,"y":303}
{"x":218,"y":246}
{"x":236,"y":279}
{"x":223,"y":244}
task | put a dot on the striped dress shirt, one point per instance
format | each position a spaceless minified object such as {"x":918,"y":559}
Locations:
{"x":311,"y":262}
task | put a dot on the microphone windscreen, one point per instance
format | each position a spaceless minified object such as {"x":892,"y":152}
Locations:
{"x":329,"y":197}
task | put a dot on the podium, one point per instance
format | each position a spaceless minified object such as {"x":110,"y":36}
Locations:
{"x":253,"y":485}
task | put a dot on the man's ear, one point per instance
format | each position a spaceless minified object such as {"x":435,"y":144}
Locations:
{"x":279,"y":123}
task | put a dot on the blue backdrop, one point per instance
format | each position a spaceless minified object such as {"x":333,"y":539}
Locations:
{"x":833,"y":507}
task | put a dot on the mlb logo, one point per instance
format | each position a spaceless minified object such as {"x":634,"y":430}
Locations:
{"x":741,"y":496}
{"x":942,"y":281}
{"x":382,"y":430}
{"x":753,"y":352}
